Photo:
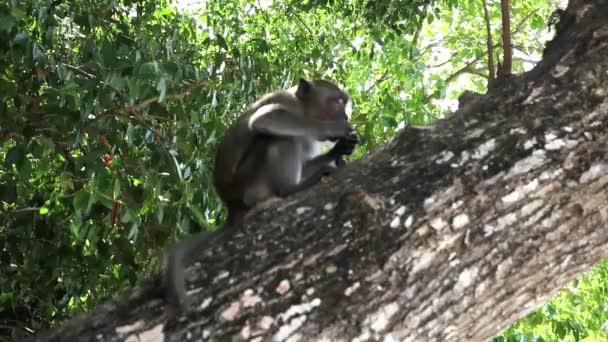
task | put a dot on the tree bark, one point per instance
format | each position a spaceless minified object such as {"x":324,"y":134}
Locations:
{"x":448,"y":233}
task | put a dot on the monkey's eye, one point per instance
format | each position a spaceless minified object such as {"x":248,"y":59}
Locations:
{"x":337,"y":100}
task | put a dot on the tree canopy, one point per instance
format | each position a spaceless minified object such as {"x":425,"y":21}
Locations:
{"x":110,"y":112}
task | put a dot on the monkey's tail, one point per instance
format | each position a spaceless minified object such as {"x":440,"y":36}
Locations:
{"x":185,"y":252}
{"x":175,"y":275}
{"x":235,"y":215}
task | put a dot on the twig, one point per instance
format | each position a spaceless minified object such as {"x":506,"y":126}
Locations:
{"x":26,"y":209}
{"x":381,"y":78}
{"x":290,"y":10}
{"x":80,"y":71}
{"x":443,"y":63}
{"x":417,"y":33}
{"x":489,"y":40}
{"x":144,"y":103}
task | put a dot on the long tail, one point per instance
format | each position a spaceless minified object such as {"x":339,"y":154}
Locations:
{"x":185,"y":252}
{"x":175,"y":276}
{"x":235,"y":216}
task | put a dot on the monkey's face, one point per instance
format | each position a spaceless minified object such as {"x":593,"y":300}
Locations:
{"x":332,"y":102}
{"x":323,"y":99}
{"x":335,"y":108}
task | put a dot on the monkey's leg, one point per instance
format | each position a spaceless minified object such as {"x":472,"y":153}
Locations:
{"x":261,"y":206}
{"x":272,"y":201}
{"x":318,"y":165}
{"x":256,"y":193}
{"x":316,"y":177}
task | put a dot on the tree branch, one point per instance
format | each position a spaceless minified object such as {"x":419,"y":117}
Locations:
{"x":489,"y":44}
{"x":476,"y":59}
{"x":448,"y":233}
{"x":136,"y":107}
{"x":507,"y":64}
{"x":78,"y":70}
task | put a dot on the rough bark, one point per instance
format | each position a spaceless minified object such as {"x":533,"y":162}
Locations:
{"x":448,"y":233}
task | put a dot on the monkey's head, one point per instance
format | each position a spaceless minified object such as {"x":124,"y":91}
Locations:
{"x":322,"y":99}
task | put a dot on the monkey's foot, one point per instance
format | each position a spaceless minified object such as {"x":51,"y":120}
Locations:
{"x":325,"y":179}
{"x":266,"y":204}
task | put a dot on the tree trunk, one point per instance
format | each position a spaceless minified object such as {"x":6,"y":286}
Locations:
{"x":489,"y":45}
{"x":448,"y":233}
{"x":507,"y":63}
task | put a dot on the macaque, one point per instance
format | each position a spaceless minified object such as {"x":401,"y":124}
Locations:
{"x":273,"y":150}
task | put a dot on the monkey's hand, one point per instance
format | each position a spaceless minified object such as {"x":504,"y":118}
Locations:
{"x":345,"y":146}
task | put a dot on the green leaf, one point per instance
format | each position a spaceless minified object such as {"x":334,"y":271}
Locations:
{"x":44,"y":210}
{"x":81,"y":201}
{"x":162,"y":87}
{"x":116,"y":162}
{"x":108,"y":54}
{"x":198,"y":215}
{"x":221,"y":42}
{"x":560,"y":329}
{"x":14,"y":156}
{"x":18,"y":12}
{"x":133,"y":232}
{"x":25,"y":170}
{"x":160,"y":212}
{"x":75,"y":225}
{"x":37,"y":52}
{"x":116,"y":191}
{"x":7,"y":22}
{"x":170,"y":68}
{"x":135,"y":88}
{"x":8,"y":191}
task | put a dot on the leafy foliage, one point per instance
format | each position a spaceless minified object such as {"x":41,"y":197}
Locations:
{"x":110,"y":111}
{"x":578,"y":313}
{"x":401,"y":16}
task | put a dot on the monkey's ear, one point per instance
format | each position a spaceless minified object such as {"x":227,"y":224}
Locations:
{"x":304,"y":89}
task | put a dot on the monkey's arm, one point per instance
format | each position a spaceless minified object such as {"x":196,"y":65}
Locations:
{"x":277,"y":120}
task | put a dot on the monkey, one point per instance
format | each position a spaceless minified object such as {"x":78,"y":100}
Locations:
{"x":271,"y":151}
{"x":286,"y":127}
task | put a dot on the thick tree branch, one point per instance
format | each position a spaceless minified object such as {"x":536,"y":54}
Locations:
{"x":449,"y":233}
